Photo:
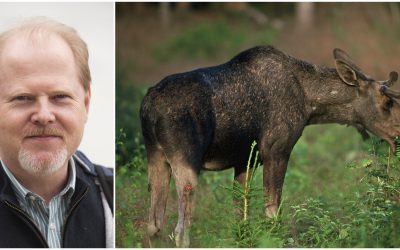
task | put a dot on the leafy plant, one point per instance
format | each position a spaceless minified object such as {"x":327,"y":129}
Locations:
{"x":246,"y":228}
{"x":128,"y":99}
{"x":375,"y":212}
{"x":316,"y":225}
{"x":128,"y":181}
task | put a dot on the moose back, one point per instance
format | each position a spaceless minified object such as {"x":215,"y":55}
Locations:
{"x":206,"y":119}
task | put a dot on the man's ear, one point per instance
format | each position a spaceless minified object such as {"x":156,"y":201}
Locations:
{"x":346,"y":73}
{"x":88,"y":95}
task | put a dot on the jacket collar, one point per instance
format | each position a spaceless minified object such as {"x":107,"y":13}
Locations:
{"x":84,"y":162}
{"x":21,"y":191}
{"x":83,"y":167}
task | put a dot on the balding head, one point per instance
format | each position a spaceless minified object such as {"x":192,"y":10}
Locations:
{"x":39,"y":30}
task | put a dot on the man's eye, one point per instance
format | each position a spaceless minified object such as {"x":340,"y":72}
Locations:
{"x":23,"y":98}
{"x":60,"y":97}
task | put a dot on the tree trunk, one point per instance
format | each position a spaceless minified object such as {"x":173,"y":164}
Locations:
{"x":165,"y":14}
{"x":305,"y":15}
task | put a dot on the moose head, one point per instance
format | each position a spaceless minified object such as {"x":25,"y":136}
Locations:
{"x":376,"y":108}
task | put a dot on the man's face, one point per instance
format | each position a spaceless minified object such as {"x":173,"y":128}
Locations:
{"x":43,"y":106}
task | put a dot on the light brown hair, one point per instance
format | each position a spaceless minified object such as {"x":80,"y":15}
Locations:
{"x":42,"y":27}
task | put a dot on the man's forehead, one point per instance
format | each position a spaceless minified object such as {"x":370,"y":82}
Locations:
{"x":21,"y":50}
{"x":22,"y":57}
{"x":34,"y":42}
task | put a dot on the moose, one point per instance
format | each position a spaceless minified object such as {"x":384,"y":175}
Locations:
{"x":207,"y":119}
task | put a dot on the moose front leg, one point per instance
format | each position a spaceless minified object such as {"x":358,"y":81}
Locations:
{"x":275,"y":149}
{"x":274,"y":175}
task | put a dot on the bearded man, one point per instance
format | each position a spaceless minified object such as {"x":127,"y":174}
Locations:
{"x":50,"y":194}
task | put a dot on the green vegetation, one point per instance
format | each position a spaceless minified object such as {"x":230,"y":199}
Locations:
{"x":204,"y":41}
{"x":128,"y":99}
{"x":357,"y":205}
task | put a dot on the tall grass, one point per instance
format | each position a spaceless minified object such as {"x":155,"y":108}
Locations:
{"x":245,"y":228}
{"x":367,"y":216}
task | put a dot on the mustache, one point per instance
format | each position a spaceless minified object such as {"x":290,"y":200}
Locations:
{"x":43,"y":131}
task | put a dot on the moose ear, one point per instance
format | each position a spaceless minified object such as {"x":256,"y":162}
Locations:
{"x":339,"y":54}
{"x":347,"y":69}
{"x":346,"y":73}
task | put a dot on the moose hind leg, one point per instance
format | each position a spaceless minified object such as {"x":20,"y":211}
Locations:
{"x":239,"y":180}
{"x":185,"y":176}
{"x":159,"y":173}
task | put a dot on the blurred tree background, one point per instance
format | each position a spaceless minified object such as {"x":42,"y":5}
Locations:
{"x":154,"y":40}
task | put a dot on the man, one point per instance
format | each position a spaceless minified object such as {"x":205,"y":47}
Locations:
{"x":50,"y":194}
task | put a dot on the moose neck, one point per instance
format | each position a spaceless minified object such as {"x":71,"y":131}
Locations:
{"x":328,"y":99}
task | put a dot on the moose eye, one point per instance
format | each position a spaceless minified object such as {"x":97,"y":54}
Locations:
{"x":388,"y":105}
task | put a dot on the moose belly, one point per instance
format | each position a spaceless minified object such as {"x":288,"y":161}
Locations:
{"x":233,"y":154}
{"x":217,"y":165}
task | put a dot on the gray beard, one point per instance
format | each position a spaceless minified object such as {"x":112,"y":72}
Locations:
{"x":43,"y":164}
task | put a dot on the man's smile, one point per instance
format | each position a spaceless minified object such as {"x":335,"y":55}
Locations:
{"x":43,"y":138}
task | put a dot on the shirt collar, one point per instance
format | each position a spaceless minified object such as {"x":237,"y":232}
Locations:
{"x":22,"y":192}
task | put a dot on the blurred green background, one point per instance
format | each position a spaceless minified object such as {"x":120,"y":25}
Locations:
{"x":154,"y":40}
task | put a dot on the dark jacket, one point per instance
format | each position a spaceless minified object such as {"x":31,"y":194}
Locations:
{"x":85,"y":222}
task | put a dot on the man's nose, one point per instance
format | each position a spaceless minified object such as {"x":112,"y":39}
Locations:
{"x":43,"y":114}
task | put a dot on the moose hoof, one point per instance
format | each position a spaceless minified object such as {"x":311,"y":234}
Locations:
{"x":271,"y":211}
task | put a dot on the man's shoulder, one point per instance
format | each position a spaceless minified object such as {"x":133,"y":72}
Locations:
{"x":91,"y":167}
{"x":104,"y":176}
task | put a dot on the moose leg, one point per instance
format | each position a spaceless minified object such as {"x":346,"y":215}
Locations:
{"x":275,"y":152}
{"x":240,"y":178}
{"x":159,"y":179}
{"x":274,"y":175}
{"x":240,"y":175}
{"x":184,"y":139}
{"x":186,"y":181}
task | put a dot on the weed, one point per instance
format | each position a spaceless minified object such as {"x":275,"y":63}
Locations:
{"x":128,"y":99}
{"x":369,"y":220}
{"x":128,"y":182}
{"x":368,"y":216}
{"x":316,"y":225}
{"x":247,"y":230}
{"x":376,"y":211}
